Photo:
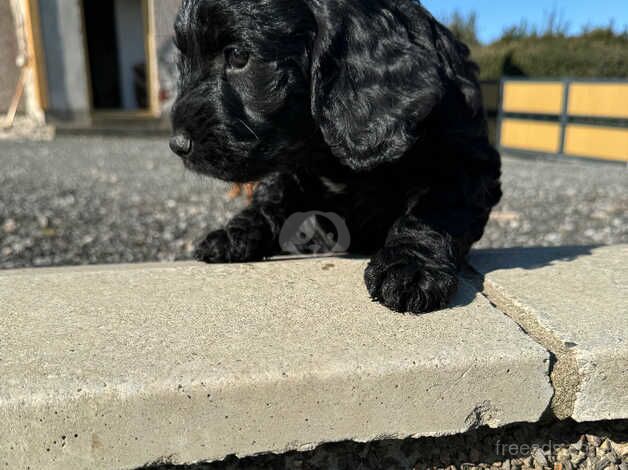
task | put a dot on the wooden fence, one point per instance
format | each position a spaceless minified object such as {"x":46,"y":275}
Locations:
{"x":571,"y":118}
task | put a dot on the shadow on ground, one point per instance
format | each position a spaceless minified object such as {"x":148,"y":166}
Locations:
{"x":601,"y":445}
{"x":488,"y":260}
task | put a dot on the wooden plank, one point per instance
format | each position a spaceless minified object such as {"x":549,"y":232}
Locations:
{"x":533,"y":97}
{"x":15,"y":102}
{"x":606,"y":143}
{"x":530,"y":135}
{"x":599,"y":100}
{"x":35,"y":51}
{"x":150,"y":45}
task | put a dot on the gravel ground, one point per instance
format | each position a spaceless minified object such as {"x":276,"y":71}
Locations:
{"x":102,"y":200}
{"x":561,"y":446}
{"x":112,"y":200}
{"x":24,"y":128}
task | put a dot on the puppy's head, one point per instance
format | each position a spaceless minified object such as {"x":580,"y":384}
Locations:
{"x":260,"y":79}
{"x":243,"y":86}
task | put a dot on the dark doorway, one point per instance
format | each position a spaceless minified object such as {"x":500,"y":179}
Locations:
{"x":102,"y":48}
{"x":116,"y":53}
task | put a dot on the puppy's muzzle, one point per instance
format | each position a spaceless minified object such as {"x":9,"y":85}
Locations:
{"x":181,"y":144}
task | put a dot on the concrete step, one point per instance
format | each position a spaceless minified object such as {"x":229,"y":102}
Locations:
{"x":574,"y":301}
{"x":120,"y":366}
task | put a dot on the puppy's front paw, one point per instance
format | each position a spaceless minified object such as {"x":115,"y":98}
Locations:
{"x":404,"y":283}
{"x":223,"y":246}
{"x":215,"y":248}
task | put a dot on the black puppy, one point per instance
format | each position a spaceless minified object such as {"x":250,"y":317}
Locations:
{"x":369,"y":109}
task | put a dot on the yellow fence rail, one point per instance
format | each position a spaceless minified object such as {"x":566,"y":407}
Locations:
{"x":587,"y":119}
{"x":533,"y":97}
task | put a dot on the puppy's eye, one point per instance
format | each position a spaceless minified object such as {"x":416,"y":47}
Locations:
{"x":236,"y":58}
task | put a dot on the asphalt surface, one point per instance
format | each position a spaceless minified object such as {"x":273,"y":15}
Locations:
{"x":119,"y":200}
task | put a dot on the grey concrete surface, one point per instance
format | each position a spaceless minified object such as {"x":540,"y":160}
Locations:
{"x":119,"y":367}
{"x":574,"y":300}
{"x":118,"y":200}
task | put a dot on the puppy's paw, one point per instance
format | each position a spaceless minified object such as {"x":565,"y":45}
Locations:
{"x":405,"y":283}
{"x":215,"y":248}
{"x":222,"y":246}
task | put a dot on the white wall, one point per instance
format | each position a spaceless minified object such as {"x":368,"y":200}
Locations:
{"x":130,"y":33}
{"x":66,"y":69}
{"x":165,"y":13}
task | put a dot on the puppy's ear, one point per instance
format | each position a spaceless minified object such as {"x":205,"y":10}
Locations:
{"x":375,"y":75}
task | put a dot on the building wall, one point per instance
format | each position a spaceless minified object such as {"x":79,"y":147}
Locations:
{"x":165,"y":13}
{"x":9,"y":71}
{"x":65,"y":56}
{"x":131,"y":51}
{"x":64,"y":48}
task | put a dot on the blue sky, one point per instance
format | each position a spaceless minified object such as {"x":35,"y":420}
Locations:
{"x":494,"y":15}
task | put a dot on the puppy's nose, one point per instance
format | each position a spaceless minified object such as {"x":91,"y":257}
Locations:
{"x":181,"y":144}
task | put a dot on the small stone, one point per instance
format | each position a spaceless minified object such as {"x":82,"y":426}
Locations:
{"x":9,"y":226}
{"x":613,"y":457}
{"x":578,"y":458}
{"x":48,"y":232}
{"x":600,"y":464}
{"x":539,"y":457}
{"x":606,"y":445}
{"x":594,"y":440}
{"x":562,"y":455}
{"x":42,"y":220}
{"x":577,"y":446}
{"x":620,"y":449}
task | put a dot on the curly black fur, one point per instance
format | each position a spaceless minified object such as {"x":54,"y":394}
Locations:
{"x":375,"y":96}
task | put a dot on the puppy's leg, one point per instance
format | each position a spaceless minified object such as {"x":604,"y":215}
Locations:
{"x":252,"y":234}
{"x":416,"y":269}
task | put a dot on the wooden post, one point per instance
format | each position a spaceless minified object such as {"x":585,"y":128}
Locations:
{"x":35,"y":51}
{"x":150,"y":46}
{"x":15,"y":102}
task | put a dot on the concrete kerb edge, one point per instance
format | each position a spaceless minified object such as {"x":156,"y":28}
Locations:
{"x":565,"y":378}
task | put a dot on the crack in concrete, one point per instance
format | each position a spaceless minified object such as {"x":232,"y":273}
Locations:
{"x":564,"y":376}
{"x":481,"y":415}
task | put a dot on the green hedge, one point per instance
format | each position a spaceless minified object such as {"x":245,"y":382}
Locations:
{"x":596,"y":54}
